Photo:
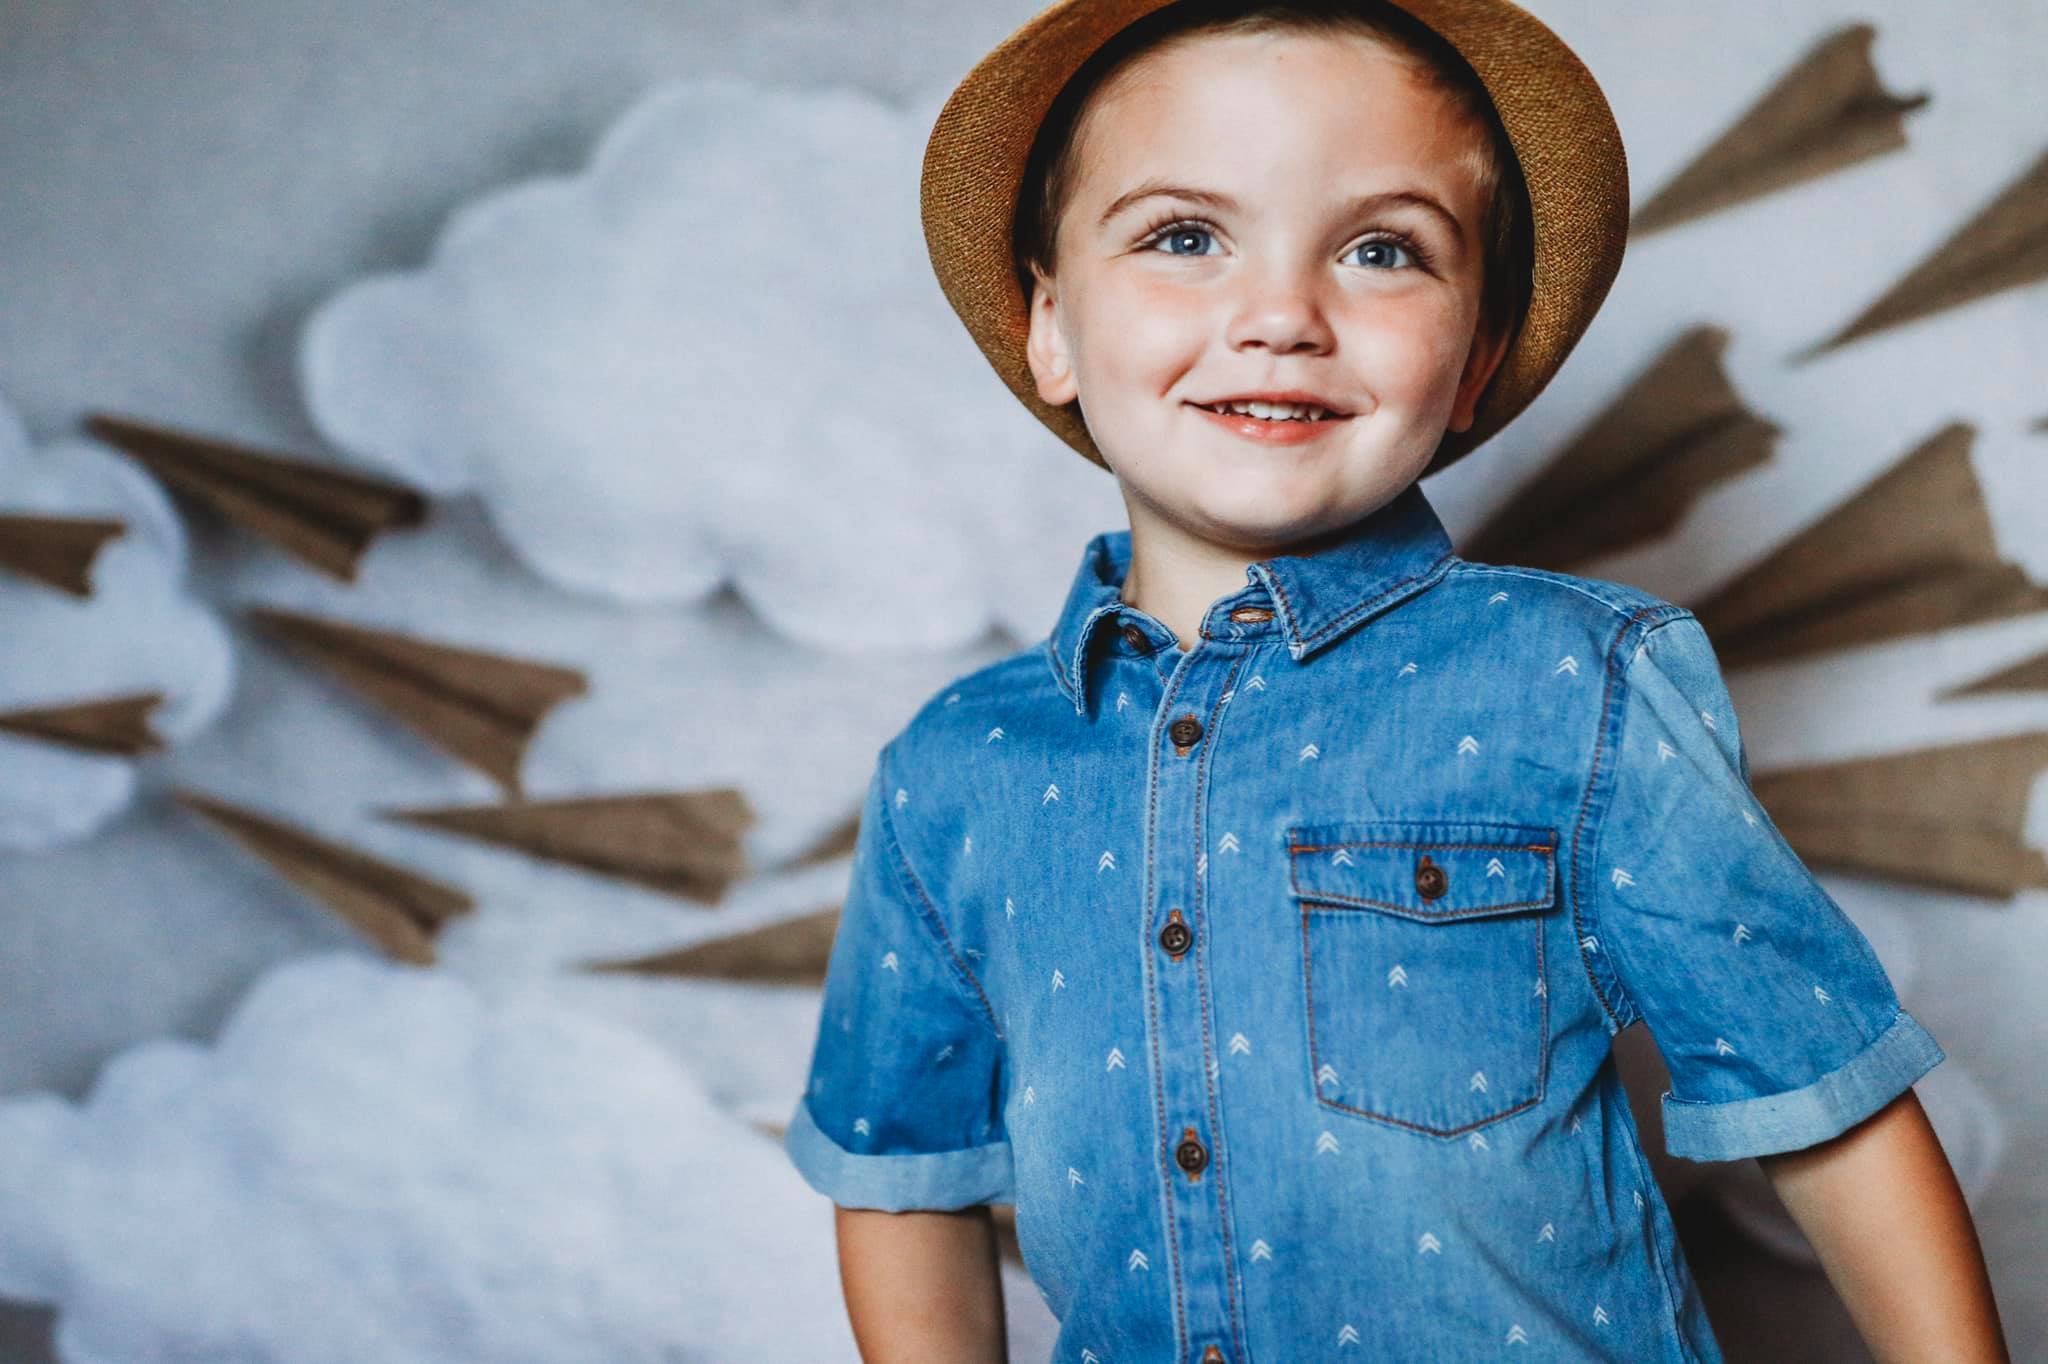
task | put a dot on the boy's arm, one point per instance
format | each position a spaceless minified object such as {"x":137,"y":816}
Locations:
{"x":1881,"y":1207}
{"x":922,"y":1286}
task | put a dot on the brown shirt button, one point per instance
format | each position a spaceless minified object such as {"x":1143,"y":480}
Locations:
{"x":1213,"y":1355}
{"x":1191,"y":1154}
{"x":1430,"y":879}
{"x":1133,"y":636}
{"x":1185,"y":731}
{"x":1176,"y":937}
{"x":1248,"y":614}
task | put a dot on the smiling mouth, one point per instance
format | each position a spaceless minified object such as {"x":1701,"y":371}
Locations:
{"x":1278,"y":414}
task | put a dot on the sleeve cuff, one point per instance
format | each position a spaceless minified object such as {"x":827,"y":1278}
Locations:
{"x":1837,"y":1101}
{"x":935,"y":1181}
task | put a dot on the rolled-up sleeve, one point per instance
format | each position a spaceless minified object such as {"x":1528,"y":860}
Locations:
{"x":903,"y":1106}
{"x":1778,"y":1024}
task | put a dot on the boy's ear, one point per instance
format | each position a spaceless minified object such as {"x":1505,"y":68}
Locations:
{"x":1045,"y":346}
{"x":1489,"y":348}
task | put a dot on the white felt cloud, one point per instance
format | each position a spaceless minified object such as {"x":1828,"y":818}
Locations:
{"x":720,"y":354}
{"x":140,"y":630}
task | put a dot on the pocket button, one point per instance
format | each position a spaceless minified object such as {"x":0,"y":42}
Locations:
{"x":1430,"y":880}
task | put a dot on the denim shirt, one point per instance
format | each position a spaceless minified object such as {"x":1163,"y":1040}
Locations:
{"x":1274,"y":980}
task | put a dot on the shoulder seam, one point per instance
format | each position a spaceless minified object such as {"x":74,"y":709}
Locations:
{"x":928,"y":911}
{"x":1614,"y":681}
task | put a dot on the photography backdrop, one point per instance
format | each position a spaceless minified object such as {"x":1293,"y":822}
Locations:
{"x":672,"y":488}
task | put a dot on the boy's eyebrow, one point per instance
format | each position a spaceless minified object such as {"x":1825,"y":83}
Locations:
{"x":1363,"y":203}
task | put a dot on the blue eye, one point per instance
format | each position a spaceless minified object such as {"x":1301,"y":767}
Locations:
{"x":1383,"y":246}
{"x":1178,"y":233}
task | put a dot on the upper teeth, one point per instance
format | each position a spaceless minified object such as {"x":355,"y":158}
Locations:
{"x":1274,"y":411}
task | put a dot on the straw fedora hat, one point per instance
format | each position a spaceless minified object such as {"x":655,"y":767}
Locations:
{"x":1564,"y":137}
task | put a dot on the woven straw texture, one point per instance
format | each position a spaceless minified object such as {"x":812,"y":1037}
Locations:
{"x":1563,"y":133}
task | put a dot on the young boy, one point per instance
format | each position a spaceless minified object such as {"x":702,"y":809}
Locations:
{"x":1261,"y":932}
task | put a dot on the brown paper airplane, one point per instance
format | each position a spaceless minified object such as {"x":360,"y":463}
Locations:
{"x":320,"y":514}
{"x":1912,"y":551}
{"x":1827,"y":113}
{"x":116,"y":724}
{"x":398,"y":910}
{"x":57,"y":551}
{"x":481,"y":708}
{"x":791,"y":952}
{"x":682,"y":843}
{"x":1951,"y":816}
{"x":1677,"y":430}
{"x":2003,"y":246}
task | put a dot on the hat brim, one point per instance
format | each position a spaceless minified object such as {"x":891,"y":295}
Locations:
{"x":1557,"y":119}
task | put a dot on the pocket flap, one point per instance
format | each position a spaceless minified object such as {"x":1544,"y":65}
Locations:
{"x":1432,"y":870}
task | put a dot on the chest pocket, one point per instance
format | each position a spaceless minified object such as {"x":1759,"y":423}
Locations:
{"x":1422,"y":967}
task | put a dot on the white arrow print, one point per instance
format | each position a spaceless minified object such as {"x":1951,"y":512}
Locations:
{"x":1138,"y":1261}
{"x":1516,"y":1335}
{"x":1348,"y":1336}
{"x":1074,"y":1177}
{"x":1087,"y":1356}
{"x":1620,"y":878}
{"x":1009,"y":908}
{"x":1406,"y":669}
{"x":860,"y":1125}
{"x":1494,"y":868}
{"x":1123,"y":699}
{"x":1600,"y":1317}
{"x":1309,"y":751}
{"x":1052,"y":792}
{"x":1567,"y":664}
{"x":1549,"y":1233}
{"x":1397,"y":976}
{"x":1750,"y":818}
{"x":994,"y":735}
{"x":1577,"y":1126}
{"x":1707,"y":720}
{"x":1468,"y":744}
{"x":974,"y":952}
{"x":1201,"y":863}
{"x":1325,"y":1142}
{"x":1639,"y":1199}
{"x":1261,"y":1251}
{"x":889,"y":963}
{"x":1340,"y":858}
{"x":1030,"y":1095}
{"x":1590,"y":943}
{"x":1059,"y":981}
{"x":1498,"y":596}
{"x":1238,"y":1044}
{"x":1228,"y":843}
{"x":945,"y":1051}
{"x":1721,"y":1047}
{"x":1257,"y":683}
{"x":967,"y":843}
{"x":1478,"y":1082}
{"x":1539,"y":986}
{"x":1429,"y":1245}
{"x":1741,"y":932}
{"x":1820,"y":994}
{"x":951,"y":697}
{"x":1478,"y":1142}
{"x":1227,"y":695}
{"x":1326,"y":1076}
{"x":1215,"y":1067}
{"x":1116,"y":1059}
{"x":1665,"y":750}
{"x":901,"y":796}
{"x":1106,"y":862}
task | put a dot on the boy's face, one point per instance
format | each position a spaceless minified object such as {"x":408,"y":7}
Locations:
{"x":1278,"y":284}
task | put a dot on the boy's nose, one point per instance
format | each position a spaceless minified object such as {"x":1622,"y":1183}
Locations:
{"x":1279,"y":313}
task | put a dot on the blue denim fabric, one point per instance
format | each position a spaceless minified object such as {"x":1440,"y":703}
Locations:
{"x":1436,"y":830}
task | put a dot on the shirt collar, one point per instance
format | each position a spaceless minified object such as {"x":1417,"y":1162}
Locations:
{"x":1379,"y":560}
